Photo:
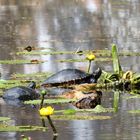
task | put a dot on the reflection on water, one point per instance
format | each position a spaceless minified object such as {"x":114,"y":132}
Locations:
{"x":71,"y":25}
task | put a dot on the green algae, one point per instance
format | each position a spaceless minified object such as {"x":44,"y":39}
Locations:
{"x":6,"y":128}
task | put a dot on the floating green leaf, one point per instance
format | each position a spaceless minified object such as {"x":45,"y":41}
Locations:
{"x":97,"y":109}
{"x":21,"y":61}
{"x":50,"y":101}
{"x":12,"y":83}
{"x":83,"y":60}
{"x":5,"y":128}
{"x":69,"y":112}
{"x":134,"y":111}
{"x":4,"y":119}
{"x":132,"y":97}
{"x":79,"y":117}
{"x":39,"y":74}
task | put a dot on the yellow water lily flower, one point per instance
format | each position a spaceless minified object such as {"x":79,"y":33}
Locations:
{"x":90,"y":56}
{"x":46,"y":111}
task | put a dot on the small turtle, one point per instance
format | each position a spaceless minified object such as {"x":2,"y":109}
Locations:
{"x":21,"y":92}
{"x":71,"y":76}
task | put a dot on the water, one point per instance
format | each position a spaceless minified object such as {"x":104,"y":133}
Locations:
{"x":71,"y":25}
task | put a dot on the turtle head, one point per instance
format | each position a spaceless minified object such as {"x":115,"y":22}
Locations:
{"x":32,"y":85}
{"x":95,"y":75}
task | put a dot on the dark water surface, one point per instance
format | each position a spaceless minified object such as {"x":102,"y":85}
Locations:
{"x":71,"y":25}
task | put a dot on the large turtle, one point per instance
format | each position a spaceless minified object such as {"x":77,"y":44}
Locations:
{"x":21,"y":92}
{"x":71,"y":76}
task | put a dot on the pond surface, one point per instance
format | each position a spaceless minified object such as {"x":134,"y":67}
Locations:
{"x":71,"y":25}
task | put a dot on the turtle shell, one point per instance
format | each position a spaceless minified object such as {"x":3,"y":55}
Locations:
{"x":21,"y":93}
{"x":68,"y":77}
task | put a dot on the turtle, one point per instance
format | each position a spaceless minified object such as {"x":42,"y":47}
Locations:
{"x":68,"y":77}
{"x":21,"y":93}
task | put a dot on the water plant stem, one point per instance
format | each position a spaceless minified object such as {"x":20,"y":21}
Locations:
{"x":43,"y":122}
{"x":116,"y":100}
{"x":89,"y":65}
{"x":116,"y":62}
{"x":42,"y":101}
{"x":52,"y":125}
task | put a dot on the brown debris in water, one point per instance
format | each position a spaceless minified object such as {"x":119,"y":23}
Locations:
{"x":85,"y":100}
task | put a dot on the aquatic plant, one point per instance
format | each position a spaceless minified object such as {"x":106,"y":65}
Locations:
{"x":6,"y":128}
{"x":31,"y":75}
{"x":116,"y":100}
{"x":134,"y":111}
{"x":80,"y":117}
{"x":43,"y":93}
{"x":33,"y":61}
{"x":45,"y":111}
{"x":4,"y":119}
{"x":116,"y":62}
{"x":51,"y":101}
{"x":90,"y":57}
{"x":97,"y":109}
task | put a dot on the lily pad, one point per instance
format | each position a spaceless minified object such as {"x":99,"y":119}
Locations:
{"x":39,"y":74}
{"x":4,"y":119}
{"x":5,"y":128}
{"x":69,"y":112}
{"x":44,"y":52}
{"x":79,"y":117}
{"x":50,"y":101}
{"x":132,"y":97}
{"x":134,"y":111}
{"x":21,"y":61}
{"x":12,"y":83}
{"x":83,"y":60}
{"x":97,"y":109}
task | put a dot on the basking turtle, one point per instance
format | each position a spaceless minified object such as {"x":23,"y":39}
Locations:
{"x":71,"y":76}
{"x":21,"y":92}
